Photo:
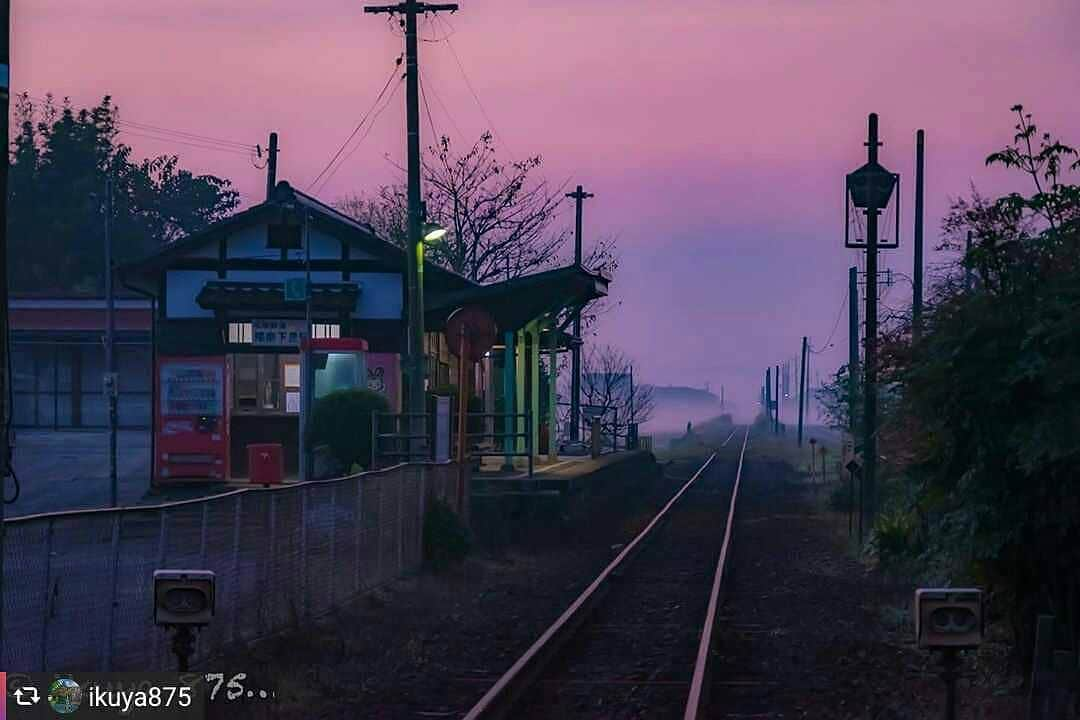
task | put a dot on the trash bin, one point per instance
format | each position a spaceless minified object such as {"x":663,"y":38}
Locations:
{"x":265,"y":464}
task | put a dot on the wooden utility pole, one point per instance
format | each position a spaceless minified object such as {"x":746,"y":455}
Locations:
{"x":271,"y":167}
{"x":415,"y":361}
{"x":768,"y":395}
{"x":917,"y":276}
{"x":802,"y":388}
{"x":5,"y":380}
{"x":580,"y":196}
{"x":776,"y":424}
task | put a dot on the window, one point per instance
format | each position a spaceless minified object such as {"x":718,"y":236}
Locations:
{"x":325,"y":330}
{"x":262,"y":382}
{"x":240,"y":333}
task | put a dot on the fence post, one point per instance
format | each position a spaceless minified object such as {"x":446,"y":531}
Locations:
{"x":162,"y":539}
{"x":529,"y":440}
{"x":401,"y":518}
{"x":48,"y":596}
{"x":374,"y":437}
{"x":333,"y":544}
{"x":303,"y":552}
{"x":269,"y":596}
{"x":1040,"y":701}
{"x":110,"y":623}
{"x":235,"y":615}
{"x":359,"y":530}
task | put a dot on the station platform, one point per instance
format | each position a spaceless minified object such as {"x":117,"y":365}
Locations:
{"x":567,"y":474}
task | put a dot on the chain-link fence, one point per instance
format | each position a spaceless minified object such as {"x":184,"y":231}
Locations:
{"x":77,"y":586}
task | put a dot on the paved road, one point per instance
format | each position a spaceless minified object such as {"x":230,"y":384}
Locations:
{"x":69,"y":470}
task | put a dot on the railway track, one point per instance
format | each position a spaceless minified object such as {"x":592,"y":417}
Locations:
{"x":637,"y":642}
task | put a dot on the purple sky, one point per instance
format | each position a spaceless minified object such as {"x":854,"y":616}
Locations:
{"x":714,"y":134}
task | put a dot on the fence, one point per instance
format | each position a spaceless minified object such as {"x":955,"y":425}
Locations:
{"x":78,"y":585}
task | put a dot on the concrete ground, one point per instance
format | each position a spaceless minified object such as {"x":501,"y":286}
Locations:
{"x":69,"y":470}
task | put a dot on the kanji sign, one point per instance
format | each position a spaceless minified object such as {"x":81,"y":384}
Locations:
{"x":276,"y":332}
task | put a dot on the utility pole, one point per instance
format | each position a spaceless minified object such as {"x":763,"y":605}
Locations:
{"x":870,"y":365}
{"x":853,"y":345}
{"x":111,"y":381}
{"x":580,"y":196}
{"x":415,"y":361}
{"x":768,"y":395}
{"x":776,"y":426}
{"x":5,"y":387}
{"x":802,"y":388}
{"x":917,"y":276}
{"x":307,"y":387}
{"x":969,"y":277}
{"x":271,"y":167}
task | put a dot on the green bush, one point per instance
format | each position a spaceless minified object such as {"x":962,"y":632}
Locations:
{"x":893,"y":537}
{"x":342,"y":420}
{"x":446,"y":539}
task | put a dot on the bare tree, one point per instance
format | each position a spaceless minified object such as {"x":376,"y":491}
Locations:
{"x":606,"y":382}
{"x":502,"y":220}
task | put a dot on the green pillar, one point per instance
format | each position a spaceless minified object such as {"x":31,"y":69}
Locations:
{"x":534,"y":386}
{"x":553,"y":383}
{"x":508,"y":400}
{"x":520,"y":387}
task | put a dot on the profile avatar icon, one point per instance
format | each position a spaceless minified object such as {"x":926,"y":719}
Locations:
{"x":65,"y":695}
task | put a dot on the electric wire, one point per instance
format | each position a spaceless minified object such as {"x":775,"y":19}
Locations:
{"x":839,"y":314}
{"x":363,"y":137}
{"x":169,"y":133}
{"x":359,"y":125}
{"x":468,"y":82}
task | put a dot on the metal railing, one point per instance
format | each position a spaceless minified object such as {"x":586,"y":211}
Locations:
{"x":401,"y":444}
{"x":499,"y":436}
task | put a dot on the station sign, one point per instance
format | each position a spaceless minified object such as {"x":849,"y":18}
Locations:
{"x":276,"y":333}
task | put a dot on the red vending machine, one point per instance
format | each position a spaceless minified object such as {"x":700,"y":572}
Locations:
{"x":192,"y":419}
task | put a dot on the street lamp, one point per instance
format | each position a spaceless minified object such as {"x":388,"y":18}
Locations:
{"x":433,"y":233}
{"x":869,"y":189}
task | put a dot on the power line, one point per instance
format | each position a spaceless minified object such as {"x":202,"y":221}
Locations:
{"x":445,"y":109}
{"x":187,"y":143}
{"x":839,"y":313}
{"x":360,"y":142}
{"x":468,"y":82}
{"x":162,"y":130}
{"x":359,"y":125}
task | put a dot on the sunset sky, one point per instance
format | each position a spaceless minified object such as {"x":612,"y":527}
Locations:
{"x":715,"y":134}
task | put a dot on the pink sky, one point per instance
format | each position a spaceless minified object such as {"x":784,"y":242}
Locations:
{"x":714,"y":134}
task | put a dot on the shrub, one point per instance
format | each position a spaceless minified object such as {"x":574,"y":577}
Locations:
{"x":446,"y":539}
{"x":342,"y":420}
{"x":893,"y":537}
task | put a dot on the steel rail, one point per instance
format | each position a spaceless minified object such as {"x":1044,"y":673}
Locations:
{"x":500,"y":698}
{"x":699,"y":684}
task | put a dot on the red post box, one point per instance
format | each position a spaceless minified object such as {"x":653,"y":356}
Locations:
{"x":265,"y":464}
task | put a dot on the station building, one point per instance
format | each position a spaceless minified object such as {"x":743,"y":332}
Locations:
{"x":225,"y":331}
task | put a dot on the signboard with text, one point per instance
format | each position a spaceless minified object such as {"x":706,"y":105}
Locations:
{"x":276,"y":333}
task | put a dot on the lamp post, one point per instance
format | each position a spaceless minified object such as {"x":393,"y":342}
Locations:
{"x":869,"y":189}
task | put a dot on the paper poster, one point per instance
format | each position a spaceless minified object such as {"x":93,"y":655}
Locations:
{"x":384,"y":377}
{"x":191,"y":389}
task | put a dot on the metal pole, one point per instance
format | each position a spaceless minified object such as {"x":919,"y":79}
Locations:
{"x":969,"y":277}
{"x":917,"y":277}
{"x":5,"y":409}
{"x":870,"y":370}
{"x":802,"y":389}
{"x":110,"y":340}
{"x":305,"y":360}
